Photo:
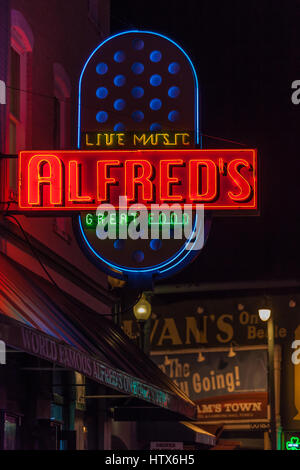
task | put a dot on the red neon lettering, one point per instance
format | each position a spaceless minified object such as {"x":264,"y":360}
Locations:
{"x":221,"y":179}
{"x":132,"y":179}
{"x":243,"y":185}
{"x":210,"y":169}
{"x":36,"y":178}
{"x":103,"y":180}
{"x":166,"y":180}
{"x":74,"y":186}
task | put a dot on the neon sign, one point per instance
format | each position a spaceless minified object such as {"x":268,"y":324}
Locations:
{"x":91,"y":221}
{"x":136,"y":140}
{"x":137,"y":60}
{"x":138,"y":136}
{"x":76,"y":181}
{"x":293,"y":443}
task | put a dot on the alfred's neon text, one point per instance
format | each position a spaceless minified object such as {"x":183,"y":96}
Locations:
{"x":81,"y":180}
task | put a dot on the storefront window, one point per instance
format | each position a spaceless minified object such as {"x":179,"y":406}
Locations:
{"x":56,"y":412}
{"x":80,"y":391}
{"x":15,"y":68}
{"x":10,"y":433}
{"x":9,"y":430}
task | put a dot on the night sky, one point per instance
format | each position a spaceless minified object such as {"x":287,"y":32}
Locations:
{"x":246,"y":55}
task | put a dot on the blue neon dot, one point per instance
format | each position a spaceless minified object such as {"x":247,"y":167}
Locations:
{"x":119,"y":80}
{"x":119,"y":56}
{"x":173,"y":116}
{"x":174,"y":92}
{"x":101,"y":68}
{"x":155,"y":56}
{"x":137,"y":68}
{"x":102,"y":116}
{"x":155,"y":126}
{"x":102,"y":92}
{"x":119,"y":244}
{"x":137,"y":116}
{"x":138,"y":44}
{"x":137,"y":92}
{"x":155,"y":80}
{"x":155,"y":104}
{"x":119,"y":104}
{"x":174,"y":68}
{"x":155,"y":244}
{"x":138,"y":256}
{"x":119,"y":127}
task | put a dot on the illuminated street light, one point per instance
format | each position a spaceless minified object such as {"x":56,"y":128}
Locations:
{"x":265,"y":314}
{"x":142,"y":309}
{"x":142,"y":312}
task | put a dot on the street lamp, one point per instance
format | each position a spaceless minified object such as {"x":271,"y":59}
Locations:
{"x":265,"y":314}
{"x":142,"y":312}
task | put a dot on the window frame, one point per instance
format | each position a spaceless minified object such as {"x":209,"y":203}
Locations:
{"x":21,"y":41}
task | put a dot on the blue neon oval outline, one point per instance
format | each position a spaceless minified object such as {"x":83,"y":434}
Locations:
{"x":187,"y":253}
{"x":196,"y":116}
{"x":182,"y":259}
{"x":141,"y":270}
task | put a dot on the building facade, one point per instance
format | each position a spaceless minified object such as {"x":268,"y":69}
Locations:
{"x":66,"y":365}
{"x":210,"y":340}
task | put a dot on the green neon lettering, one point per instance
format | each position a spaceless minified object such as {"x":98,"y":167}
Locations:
{"x":89,"y":219}
{"x":101,"y":219}
{"x":112,"y":219}
{"x":123,"y":219}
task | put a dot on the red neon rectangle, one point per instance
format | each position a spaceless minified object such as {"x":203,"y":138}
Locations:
{"x":78,"y":180}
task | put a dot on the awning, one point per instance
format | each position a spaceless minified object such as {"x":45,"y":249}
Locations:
{"x":201,"y":436}
{"x":39,"y":318}
{"x":32,"y":341}
{"x":185,"y":432}
{"x":226,"y":445}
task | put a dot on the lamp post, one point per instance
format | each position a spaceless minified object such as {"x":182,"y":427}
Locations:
{"x":142,"y":312}
{"x":265,"y":314}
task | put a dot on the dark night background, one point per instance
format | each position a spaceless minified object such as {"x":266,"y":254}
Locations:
{"x":246,"y":55}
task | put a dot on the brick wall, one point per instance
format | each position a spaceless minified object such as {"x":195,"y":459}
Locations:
{"x":63,"y":33}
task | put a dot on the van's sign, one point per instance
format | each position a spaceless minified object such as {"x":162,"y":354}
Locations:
{"x":82,"y":180}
